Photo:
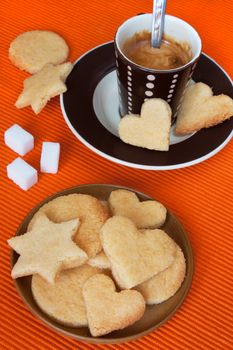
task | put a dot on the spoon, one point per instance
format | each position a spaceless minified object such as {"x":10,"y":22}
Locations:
{"x":159,"y":7}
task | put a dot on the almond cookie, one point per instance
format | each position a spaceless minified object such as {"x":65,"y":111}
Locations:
{"x":91,"y":213}
{"x":63,"y":301}
{"x":46,"y":249}
{"x":108,"y":310}
{"x":31,"y":51}
{"x":144,"y":214}
{"x":200,"y":109}
{"x":135,"y":256}
{"x":166,"y":283}
{"x":151,"y":129}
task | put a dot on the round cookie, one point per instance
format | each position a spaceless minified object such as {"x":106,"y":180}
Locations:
{"x":166,"y":283}
{"x":30,"y":51}
{"x":91,"y":213}
{"x":63,"y":300}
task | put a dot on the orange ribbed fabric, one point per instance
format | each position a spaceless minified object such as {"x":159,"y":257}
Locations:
{"x":201,"y":196}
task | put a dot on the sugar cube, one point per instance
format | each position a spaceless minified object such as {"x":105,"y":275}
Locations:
{"x":21,"y":173}
{"x":49,"y":160}
{"x":19,"y":140}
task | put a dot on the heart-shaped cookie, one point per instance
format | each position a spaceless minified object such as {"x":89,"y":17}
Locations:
{"x":200,"y":109}
{"x":135,"y":256}
{"x":144,"y":214}
{"x":151,"y":128}
{"x":166,"y":283}
{"x":108,"y":310}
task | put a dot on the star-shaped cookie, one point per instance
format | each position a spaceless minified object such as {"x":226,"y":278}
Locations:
{"x":40,"y":87}
{"x":46,"y":249}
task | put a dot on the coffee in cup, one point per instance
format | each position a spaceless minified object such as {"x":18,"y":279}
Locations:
{"x":165,"y":75}
{"x":171,"y":54}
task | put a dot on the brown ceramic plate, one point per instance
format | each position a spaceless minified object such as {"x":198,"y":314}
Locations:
{"x":154,"y":316}
{"x":91,"y":110}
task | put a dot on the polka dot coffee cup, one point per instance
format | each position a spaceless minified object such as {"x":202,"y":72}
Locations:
{"x":137,"y":83}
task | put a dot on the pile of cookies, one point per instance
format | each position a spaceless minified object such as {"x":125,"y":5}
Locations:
{"x":41,"y":53}
{"x":199,"y":109}
{"x":98,"y":264}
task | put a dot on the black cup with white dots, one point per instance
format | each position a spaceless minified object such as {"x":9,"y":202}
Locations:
{"x":136,"y":84}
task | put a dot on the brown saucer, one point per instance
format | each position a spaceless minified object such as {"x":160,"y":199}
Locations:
{"x":155,"y":315}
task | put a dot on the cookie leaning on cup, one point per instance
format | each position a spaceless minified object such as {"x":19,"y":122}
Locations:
{"x":150,"y":129}
{"x":200,"y":109}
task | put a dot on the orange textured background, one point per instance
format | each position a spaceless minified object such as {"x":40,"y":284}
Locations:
{"x":201,"y":196}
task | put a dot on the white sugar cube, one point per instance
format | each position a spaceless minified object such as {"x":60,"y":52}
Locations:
{"x":21,"y":173}
{"x":49,"y":160}
{"x":19,"y":140}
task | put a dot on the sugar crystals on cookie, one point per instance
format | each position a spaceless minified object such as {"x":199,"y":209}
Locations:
{"x":101,"y":261}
